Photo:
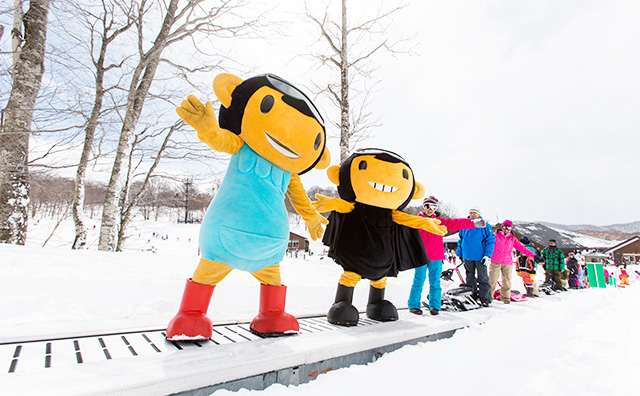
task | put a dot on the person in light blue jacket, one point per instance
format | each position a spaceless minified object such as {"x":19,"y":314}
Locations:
{"x":475,"y":248}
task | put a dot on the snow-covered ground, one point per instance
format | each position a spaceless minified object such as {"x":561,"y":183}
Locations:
{"x":587,"y":343}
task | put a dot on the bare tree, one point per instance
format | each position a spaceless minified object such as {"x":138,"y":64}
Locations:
{"x":28,"y":69}
{"x":128,"y":204}
{"x":350,"y":52}
{"x":178,"y":24}
{"x":107,"y":27}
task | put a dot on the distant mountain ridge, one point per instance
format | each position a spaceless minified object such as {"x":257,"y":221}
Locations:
{"x":625,"y":228}
{"x":541,"y":233}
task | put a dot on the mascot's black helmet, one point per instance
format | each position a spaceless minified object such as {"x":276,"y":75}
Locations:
{"x":231,"y":118}
{"x":345,"y":188}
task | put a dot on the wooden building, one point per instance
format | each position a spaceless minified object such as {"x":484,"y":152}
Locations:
{"x":627,"y":252}
{"x":298,"y":243}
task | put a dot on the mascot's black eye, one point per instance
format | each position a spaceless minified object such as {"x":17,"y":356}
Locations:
{"x":316,"y":144}
{"x":362,"y":165}
{"x":267,"y":104}
{"x":405,"y":174}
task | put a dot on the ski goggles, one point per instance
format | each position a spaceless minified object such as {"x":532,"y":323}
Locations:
{"x":430,"y":206}
{"x":288,"y":89}
{"x":504,"y":227}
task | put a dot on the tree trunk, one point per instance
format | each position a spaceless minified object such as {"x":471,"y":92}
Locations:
{"x":77,"y":209}
{"x":14,"y":136}
{"x":344,"y":89}
{"x":137,"y":93}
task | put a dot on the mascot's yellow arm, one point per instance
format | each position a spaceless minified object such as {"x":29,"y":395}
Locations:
{"x":203,"y":119}
{"x":328,"y":204}
{"x":302,"y":204}
{"x":430,"y":225}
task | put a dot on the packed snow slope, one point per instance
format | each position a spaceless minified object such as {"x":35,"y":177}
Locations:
{"x":586,"y":344}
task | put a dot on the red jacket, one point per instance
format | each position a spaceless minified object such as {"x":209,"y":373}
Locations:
{"x":433,"y":243}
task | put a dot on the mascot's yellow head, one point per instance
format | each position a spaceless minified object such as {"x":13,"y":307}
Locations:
{"x":276,"y":119}
{"x":376,"y":177}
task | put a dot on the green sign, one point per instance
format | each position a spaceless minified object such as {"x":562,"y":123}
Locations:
{"x":595,"y":271}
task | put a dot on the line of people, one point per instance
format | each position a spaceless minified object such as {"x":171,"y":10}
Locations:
{"x":488,"y":259}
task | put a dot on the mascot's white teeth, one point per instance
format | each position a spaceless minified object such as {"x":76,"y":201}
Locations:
{"x":282,"y":149}
{"x":383,"y":187}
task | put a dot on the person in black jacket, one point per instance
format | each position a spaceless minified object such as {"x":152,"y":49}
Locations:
{"x":574,"y":270}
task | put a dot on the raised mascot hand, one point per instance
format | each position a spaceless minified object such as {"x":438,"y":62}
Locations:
{"x":201,"y":117}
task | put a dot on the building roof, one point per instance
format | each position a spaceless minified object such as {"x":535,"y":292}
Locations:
{"x":623,"y":244}
{"x":298,"y":235}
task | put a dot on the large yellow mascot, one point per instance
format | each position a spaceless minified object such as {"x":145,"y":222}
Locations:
{"x":274,"y":133}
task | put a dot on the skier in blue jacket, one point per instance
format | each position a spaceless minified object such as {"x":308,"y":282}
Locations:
{"x":475,"y":247}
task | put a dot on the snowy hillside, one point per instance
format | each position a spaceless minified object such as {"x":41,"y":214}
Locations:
{"x":627,"y":228}
{"x":541,"y":233}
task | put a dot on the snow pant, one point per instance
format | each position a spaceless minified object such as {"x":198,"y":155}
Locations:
{"x":495,"y":269}
{"x":435,"y":290}
{"x":556,"y":275}
{"x":479,"y":284}
{"x":573,"y":281}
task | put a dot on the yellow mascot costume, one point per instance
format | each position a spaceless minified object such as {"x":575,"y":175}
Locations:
{"x":274,"y":133}
{"x":368,"y":234}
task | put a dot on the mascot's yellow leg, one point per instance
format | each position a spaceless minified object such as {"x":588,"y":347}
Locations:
{"x":269,"y":276}
{"x":210,"y":272}
{"x":380,"y":283}
{"x":349,"y":279}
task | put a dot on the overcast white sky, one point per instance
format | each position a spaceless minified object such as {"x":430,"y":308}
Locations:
{"x":528,"y":109}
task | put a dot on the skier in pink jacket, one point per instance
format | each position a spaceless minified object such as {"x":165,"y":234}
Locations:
{"x":434,"y":247}
{"x":502,"y":260}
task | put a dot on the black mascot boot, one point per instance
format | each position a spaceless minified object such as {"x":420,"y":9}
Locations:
{"x":380,"y":309}
{"x":342,"y":312}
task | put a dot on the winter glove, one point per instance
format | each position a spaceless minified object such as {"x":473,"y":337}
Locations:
{"x":479,"y":223}
{"x":486,"y":260}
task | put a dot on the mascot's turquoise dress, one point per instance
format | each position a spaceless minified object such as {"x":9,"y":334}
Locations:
{"x":246,"y":225}
{"x":274,"y":134}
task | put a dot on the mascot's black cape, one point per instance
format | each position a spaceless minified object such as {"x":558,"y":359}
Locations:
{"x":366,"y":241}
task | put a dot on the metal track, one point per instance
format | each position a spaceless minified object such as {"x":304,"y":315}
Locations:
{"x":43,"y":354}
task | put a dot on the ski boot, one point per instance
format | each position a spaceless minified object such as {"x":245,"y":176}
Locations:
{"x":380,"y":309}
{"x":191,"y":322}
{"x":529,"y":292}
{"x":342,"y":312}
{"x":272,"y":321}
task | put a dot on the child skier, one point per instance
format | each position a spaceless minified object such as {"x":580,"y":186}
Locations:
{"x":434,"y":247}
{"x":527,"y":268}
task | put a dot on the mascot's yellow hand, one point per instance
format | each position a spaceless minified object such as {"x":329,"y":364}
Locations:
{"x":201,"y":117}
{"x":433,"y":226}
{"x":314,"y":224}
{"x":328,"y":204}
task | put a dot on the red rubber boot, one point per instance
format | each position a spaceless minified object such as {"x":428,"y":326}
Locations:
{"x":191,"y":322}
{"x":272,"y":321}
